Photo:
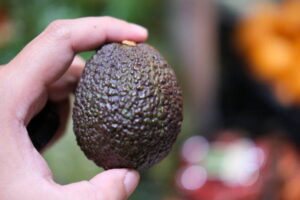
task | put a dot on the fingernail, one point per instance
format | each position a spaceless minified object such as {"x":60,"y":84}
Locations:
{"x":142,"y":30}
{"x":130,"y":181}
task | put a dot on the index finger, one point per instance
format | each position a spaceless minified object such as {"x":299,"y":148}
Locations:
{"x":48,"y":56}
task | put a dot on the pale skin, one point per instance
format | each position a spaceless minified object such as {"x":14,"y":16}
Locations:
{"x":47,"y":68}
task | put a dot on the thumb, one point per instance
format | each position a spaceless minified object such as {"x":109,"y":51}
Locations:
{"x":114,"y":184}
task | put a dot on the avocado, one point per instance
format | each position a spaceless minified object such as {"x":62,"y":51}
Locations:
{"x":127,"y":111}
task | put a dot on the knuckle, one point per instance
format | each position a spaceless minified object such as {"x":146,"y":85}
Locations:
{"x":59,"y":29}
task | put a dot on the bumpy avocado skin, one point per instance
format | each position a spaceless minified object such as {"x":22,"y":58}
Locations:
{"x":128,"y":107}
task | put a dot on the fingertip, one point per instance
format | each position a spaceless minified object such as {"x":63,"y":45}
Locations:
{"x":140,"y":31}
{"x":131,"y":181}
{"x":122,"y":180}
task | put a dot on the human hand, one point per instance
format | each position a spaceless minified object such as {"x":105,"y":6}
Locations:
{"x":44,"y":70}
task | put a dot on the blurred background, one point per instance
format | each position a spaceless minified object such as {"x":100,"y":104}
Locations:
{"x":238,"y":63}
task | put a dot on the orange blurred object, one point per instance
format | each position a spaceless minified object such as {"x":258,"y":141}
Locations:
{"x":257,"y":26}
{"x":296,"y":44}
{"x":269,"y":39}
{"x":289,"y":83}
{"x":272,"y":57}
{"x":289,"y":20}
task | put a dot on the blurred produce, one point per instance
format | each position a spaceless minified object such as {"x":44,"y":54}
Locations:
{"x":247,"y":101}
{"x":234,"y":167}
{"x":268,"y":38}
{"x":229,"y":168}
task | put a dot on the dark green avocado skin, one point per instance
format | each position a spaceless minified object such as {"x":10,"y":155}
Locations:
{"x":128,"y":107}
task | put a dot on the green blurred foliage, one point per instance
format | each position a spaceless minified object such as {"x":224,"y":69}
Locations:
{"x":28,"y":18}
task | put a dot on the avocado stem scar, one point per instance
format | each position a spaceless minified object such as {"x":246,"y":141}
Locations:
{"x":129,"y":43}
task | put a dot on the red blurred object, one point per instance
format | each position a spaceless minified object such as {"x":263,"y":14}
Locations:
{"x":198,"y":180}
{"x":216,"y":190}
